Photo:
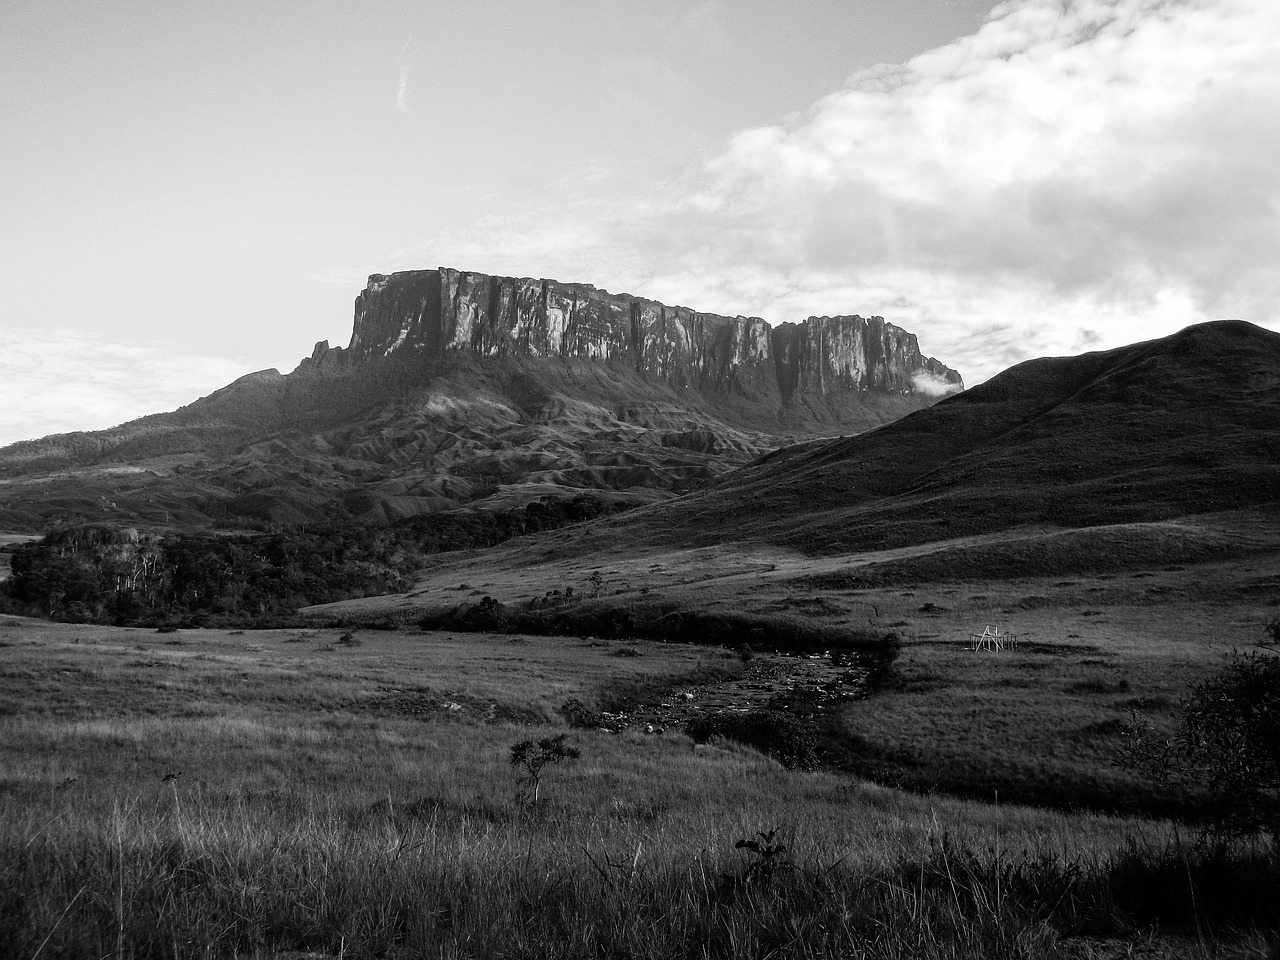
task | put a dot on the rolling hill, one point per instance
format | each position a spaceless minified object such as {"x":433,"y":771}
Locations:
{"x":1151,"y":455}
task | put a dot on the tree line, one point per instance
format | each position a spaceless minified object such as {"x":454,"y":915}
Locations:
{"x":99,"y":574}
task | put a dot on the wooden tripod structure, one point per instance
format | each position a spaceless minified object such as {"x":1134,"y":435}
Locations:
{"x":992,"y":639}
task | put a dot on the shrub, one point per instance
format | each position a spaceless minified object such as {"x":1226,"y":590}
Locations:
{"x":577,"y":714}
{"x":774,"y":732}
{"x":486,"y":615}
{"x":766,"y":859}
{"x":531,"y":758}
{"x":1227,"y":744}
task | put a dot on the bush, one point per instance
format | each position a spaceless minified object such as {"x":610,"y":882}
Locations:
{"x":531,"y":758}
{"x":774,"y":732}
{"x":1227,"y":744}
{"x":485,"y":616}
{"x":577,"y":714}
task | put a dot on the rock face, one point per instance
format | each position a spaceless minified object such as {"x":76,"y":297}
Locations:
{"x":466,"y":391}
{"x":431,"y":313}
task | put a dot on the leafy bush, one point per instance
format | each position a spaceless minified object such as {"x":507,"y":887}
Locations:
{"x":766,"y":859}
{"x":774,"y":732}
{"x":1227,"y":744}
{"x":551,"y":599}
{"x":577,"y":714}
{"x":532,"y":757}
{"x":487,"y":615}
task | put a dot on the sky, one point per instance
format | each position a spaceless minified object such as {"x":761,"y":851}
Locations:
{"x":192,"y":192}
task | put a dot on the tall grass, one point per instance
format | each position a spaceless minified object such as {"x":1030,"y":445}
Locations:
{"x":305,"y":822}
{"x":205,"y":878}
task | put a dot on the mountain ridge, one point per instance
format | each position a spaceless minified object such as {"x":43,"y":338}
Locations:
{"x":439,"y":402}
{"x":433,"y":312}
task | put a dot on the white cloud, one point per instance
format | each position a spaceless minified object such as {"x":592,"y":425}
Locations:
{"x":1075,"y":174}
{"x":402,"y":86}
{"x":932,"y":386}
{"x":65,"y":381}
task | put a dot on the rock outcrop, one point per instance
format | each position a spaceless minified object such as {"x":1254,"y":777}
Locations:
{"x":430,"y":313}
{"x":462,"y":390}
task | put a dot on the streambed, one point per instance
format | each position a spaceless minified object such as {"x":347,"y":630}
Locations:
{"x":802,"y":684}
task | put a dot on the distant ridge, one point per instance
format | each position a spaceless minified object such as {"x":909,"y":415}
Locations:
{"x":1172,"y":427}
{"x":430,"y":313}
{"x":460,"y":389}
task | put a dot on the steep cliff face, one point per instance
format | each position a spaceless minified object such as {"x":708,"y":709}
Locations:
{"x":834,"y":355}
{"x":432,"y":312}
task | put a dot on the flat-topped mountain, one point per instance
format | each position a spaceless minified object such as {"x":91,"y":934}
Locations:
{"x":430,"y":313}
{"x":461,"y":389}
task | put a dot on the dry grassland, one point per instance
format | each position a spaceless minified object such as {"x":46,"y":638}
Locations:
{"x":354,"y":799}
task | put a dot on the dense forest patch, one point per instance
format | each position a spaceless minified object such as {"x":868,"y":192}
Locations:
{"x":98,"y":574}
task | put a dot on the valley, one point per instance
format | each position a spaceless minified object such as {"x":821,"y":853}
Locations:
{"x":756,"y":721}
{"x":270,"y":781}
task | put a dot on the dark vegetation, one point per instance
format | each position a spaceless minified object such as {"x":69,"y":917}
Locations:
{"x":1016,"y":780}
{"x":761,"y":899}
{"x":783,"y":736}
{"x":1226,"y":747}
{"x":94,"y":574}
{"x":531,"y":759}
{"x":643,"y":616}
{"x":1125,"y":436}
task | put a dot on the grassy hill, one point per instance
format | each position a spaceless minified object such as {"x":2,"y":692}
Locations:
{"x":393,"y":439}
{"x":1168,"y":450}
{"x":1120,"y":511}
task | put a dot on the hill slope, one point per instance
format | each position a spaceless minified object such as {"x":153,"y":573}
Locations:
{"x":462,"y":389}
{"x":1160,"y":451}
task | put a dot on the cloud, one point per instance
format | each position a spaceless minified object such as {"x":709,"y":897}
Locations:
{"x":1075,"y":174}
{"x":932,"y":386}
{"x":1072,"y":162}
{"x":402,"y":87}
{"x":64,"y":381}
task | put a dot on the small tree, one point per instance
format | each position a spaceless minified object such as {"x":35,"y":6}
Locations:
{"x":1227,"y":743}
{"x":488,"y":614}
{"x":531,"y":758}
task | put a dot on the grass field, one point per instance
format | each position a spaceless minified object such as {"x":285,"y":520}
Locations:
{"x":1039,"y":725}
{"x":289,"y":793}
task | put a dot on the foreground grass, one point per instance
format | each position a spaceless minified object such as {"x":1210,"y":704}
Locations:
{"x":424,"y":880}
{"x":317,"y":813}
